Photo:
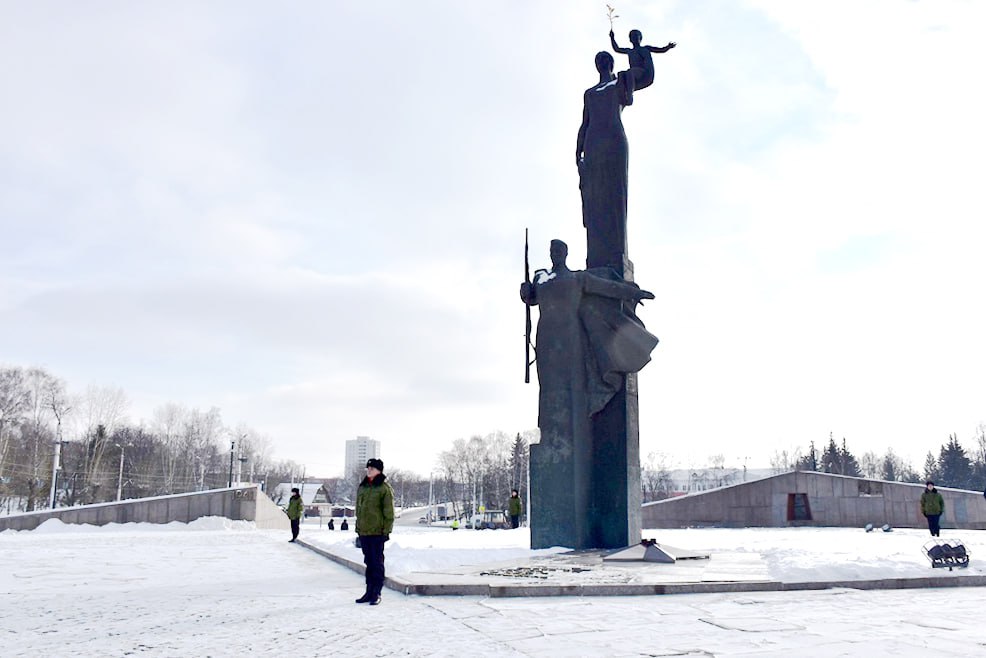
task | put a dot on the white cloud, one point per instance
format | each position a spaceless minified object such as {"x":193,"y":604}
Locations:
{"x":312,"y":215}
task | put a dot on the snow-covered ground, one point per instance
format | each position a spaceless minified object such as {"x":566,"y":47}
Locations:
{"x":221,"y":588}
{"x":791,"y":554}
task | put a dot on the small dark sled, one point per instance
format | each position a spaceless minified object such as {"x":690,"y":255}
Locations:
{"x":949,"y":553}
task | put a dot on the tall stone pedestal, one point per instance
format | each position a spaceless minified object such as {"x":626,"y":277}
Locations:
{"x":616,"y":498}
{"x":614,"y":505}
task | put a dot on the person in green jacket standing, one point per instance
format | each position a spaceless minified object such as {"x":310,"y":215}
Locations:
{"x":295,"y":509}
{"x":374,"y":522}
{"x":514,"y":508}
{"x":932,"y":506}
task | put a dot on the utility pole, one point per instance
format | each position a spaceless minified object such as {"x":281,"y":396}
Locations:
{"x":54,"y":474}
{"x":232,"y":447}
{"x":431,"y":497}
{"x":119,"y":481}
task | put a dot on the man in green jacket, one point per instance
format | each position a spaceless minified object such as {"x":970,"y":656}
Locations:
{"x":374,"y":522}
{"x":295,"y":509}
{"x":514,"y":508}
{"x":932,"y":506}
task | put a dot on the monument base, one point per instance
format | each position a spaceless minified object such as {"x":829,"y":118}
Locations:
{"x":591,"y":499}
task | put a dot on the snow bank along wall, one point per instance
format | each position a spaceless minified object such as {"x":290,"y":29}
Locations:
{"x":814,"y":499}
{"x":237,"y":503}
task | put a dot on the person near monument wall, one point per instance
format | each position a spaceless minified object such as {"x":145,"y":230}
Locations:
{"x":514,"y":508}
{"x":374,"y":523}
{"x":932,"y":506}
{"x":295,"y":511}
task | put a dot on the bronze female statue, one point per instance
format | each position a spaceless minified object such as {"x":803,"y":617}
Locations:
{"x":601,"y":155}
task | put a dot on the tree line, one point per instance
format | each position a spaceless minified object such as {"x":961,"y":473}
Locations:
{"x":103,"y":456}
{"x":951,"y":465}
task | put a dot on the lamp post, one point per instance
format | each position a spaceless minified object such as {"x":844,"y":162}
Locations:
{"x":232,"y":448}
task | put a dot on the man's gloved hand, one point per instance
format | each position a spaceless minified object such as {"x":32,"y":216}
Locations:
{"x":386,"y":538}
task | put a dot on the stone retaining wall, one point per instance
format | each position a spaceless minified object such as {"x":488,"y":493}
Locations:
{"x":833,"y":500}
{"x":237,"y":503}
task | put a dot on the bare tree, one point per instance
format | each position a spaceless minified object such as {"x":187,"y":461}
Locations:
{"x":101,"y":410}
{"x":979,"y":452}
{"x":785,"y":461}
{"x":870,"y":465}
{"x":48,"y":400}
{"x":15,"y":400}
{"x":453,"y":474}
{"x":168,"y":422}
{"x":717,"y":466}
{"x":655,"y":477}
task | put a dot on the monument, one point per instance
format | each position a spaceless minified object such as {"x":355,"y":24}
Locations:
{"x":585,"y":472}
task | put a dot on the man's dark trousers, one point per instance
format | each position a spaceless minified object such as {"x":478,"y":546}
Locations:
{"x":372,"y":546}
{"x":515,"y":521}
{"x":934,"y":524}
{"x":295,"y":524}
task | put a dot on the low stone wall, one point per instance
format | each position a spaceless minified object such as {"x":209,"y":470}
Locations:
{"x":834,"y":500}
{"x":237,"y":503}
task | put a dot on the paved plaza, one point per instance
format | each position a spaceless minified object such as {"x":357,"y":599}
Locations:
{"x":238,"y":591}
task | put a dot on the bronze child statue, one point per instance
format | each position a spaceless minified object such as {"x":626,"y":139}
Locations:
{"x":641,"y":62}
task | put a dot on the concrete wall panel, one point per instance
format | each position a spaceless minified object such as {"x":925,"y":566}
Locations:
{"x":239,"y":503}
{"x":764,"y":503}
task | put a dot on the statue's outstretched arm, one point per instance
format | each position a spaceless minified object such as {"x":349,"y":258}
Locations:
{"x":662,"y":49}
{"x":595,"y":285}
{"x":612,"y":41}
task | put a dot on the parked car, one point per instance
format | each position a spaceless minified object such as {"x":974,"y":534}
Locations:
{"x":495,"y":520}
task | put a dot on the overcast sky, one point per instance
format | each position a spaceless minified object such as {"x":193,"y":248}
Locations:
{"x":311,"y":214}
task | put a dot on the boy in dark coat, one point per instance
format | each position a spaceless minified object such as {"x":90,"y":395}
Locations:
{"x":374,"y":522}
{"x":932,"y":506}
{"x":514,"y":508}
{"x":294,"y":511}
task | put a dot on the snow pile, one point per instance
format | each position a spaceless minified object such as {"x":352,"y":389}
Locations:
{"x":205,"y":523}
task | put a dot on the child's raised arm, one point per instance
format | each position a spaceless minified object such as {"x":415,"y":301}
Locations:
{"x":612,"y":40}
{"x":656,"y":49}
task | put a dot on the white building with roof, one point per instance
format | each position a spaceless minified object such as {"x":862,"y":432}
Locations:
{"x":313,"y":496}
{"x":358,"y":450}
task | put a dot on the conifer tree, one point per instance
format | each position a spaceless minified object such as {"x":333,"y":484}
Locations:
{"x":890,"y":470}
{"x":831,"y":458}
{"x":931,"y":470}
{"x":955,"y":469}
{"x":847,"y":462}
{"x":810,"y":461}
